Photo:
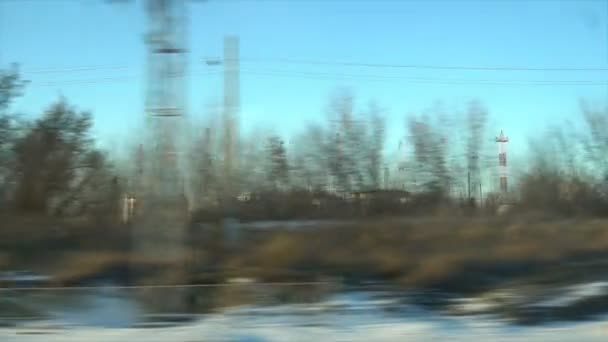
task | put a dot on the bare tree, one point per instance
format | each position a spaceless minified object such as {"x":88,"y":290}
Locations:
{"x":207,"y":164}
{"x":278,"y":172}
{"x":346,"y":138}
{"x":11,"y":86}
{"x":595,"y":141}
{"x":374,"y":146}
{"x":429,"y":154}
{"x":254,"y":161}
{"x":476,"y":121}
{"x":311,"y":159}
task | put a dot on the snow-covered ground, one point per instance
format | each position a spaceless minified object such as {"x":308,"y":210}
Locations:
{"x":534,"y":299}
{"x":574,"y":293}
{"x":358,"y":316}
{"x":322,"y":328}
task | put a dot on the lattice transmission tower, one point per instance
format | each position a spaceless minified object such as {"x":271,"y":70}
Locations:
{"x":165,"y":95}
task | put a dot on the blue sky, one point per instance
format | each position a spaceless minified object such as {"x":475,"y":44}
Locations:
{"x":67,"y":35}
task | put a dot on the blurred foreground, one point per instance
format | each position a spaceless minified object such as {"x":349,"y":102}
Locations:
{"x":509,"y":278}
{"x":362,"y":315}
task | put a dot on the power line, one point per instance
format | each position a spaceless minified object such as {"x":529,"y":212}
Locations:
{"x":430,"y":82}
{"x":338,"y":76}
{"x":416,"y":66}
{"x":334,"y":63}
{"x":86,"y":81}
{"x":53,"y":70}
{"x":330,"y":77}
{"x":103,"y":80}
{"x":424,"y":79}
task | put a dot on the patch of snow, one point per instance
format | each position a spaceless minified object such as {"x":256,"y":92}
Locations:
{"x":472,"y":305}
{"x":229,"y":328}
{"x":573,"y":294}
{"x":358,"y":317}
{"x":486,"y":303}
{"x":105,"y":310}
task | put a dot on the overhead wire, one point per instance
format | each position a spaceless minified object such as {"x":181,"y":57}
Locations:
{"x":333,"y":76}
{"x":351,"y":77}
{"x":341,"y":63}
{"x":422,"y":80}
{"x":417,"y":66}
{"x":103,"y":80}
{"x":53,"y":70}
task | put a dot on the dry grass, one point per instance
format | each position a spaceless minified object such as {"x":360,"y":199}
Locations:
{"x":4,"y":260}
{"x":78,"y":265}
{"x":422,"y":252}
{"x":428,"y":253}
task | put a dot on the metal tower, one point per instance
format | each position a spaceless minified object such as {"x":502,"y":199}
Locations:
{"x":231,"y":111}
{"x":160,"y":228}
{"x":165,"y":93}
{"x":502,"y":141}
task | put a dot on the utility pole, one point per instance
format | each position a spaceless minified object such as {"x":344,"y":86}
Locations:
{"x":231,"y":112}
{"x":502,"y":141}
{"x":469,"y":186}
{"x":230,"y":187}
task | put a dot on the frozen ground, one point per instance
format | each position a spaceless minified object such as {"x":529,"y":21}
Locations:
{"x":232,"y":327}
{"x":344,"y":317}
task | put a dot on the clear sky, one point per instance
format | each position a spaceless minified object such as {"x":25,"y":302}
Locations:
{"x":67,"y":35}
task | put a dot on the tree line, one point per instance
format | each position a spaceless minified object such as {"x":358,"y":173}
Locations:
{"x":51,"y":164}
{"x":348,"y":152}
